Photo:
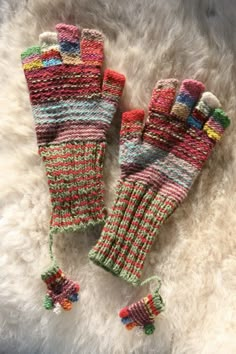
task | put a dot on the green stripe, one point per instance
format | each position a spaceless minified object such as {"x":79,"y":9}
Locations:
{"x":31,"y":51}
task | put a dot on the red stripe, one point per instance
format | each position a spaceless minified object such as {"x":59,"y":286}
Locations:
{"x":96,"y":135}
{"x":75,"y":145}
{"x":58,"y":95}
{"x":151,"y":304}
{"x":53,"y":277}
{"x":123,"y":240}
{"x":77,"y":221}
{"x":77,"y":180}
{"x":158,"y":181}
{"x":62,"y":70}
{"x":65,"y":164}
{"x":71,"y":172}
{"x":76,"y":198}
{"x":74,"y":188}
{"x":132,"y":203}
{"x":131,"y":216}
{"x":51,"y":54}
{"x":119,"y":263}
{"x":63,"y":87}
{"x":54,"y":84}
{"x":78,"y":147}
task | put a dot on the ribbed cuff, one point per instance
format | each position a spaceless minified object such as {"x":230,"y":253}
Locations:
{"x":130,"y":230}
{"x":75,"y":179}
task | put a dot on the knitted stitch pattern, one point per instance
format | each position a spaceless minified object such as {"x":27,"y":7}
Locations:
{"x":159,"y":164}
{"x":72,"y":114}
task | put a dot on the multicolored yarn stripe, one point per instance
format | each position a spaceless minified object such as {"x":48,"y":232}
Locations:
{"x":158,"y":167}
{"x":143,"y":312}
{"x":72,"y":114}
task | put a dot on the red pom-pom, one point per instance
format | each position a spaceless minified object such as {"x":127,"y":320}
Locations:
{"x":124,"y":312}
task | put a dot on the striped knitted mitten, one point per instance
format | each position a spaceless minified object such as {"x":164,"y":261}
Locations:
{"x":72,"y":114}
{"x":159,"y":165}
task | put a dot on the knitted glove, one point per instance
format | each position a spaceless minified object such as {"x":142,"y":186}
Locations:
{"x":158,"y":166}
{"x":72,"y":114}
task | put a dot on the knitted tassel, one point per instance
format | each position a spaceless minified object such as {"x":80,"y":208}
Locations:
{"x":143,"y":312}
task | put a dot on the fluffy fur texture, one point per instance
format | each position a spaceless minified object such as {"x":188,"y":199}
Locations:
{"x":195,"y":253}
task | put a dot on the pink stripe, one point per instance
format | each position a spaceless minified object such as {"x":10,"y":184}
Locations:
{"x":215,"y":125}
{"x":53,"y":133}
{"x":31,"y":58}
{"x":161,"y":182}
{"x":92,"y":135}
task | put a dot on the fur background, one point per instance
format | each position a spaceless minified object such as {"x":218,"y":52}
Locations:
{"x":195,"y":253}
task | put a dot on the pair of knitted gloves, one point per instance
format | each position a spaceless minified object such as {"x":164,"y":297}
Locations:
{"x":159,"y":158}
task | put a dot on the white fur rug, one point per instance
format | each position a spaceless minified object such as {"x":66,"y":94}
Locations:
{"x":195,"y":254}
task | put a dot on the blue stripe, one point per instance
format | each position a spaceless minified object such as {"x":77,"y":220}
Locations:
{"x":52,"y":62}
{"x":86,"y":111}
{"x":126,"y":320}
{"x":70,"y":47}
{"x":185,"y":99}
{"x":194,"y":122}
{"x":143,"y":155}
{"x":174,"y":168}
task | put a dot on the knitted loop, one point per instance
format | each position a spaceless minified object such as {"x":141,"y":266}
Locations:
{"x":154,"y":277}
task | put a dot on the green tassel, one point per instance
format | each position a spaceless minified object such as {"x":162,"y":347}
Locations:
{"x":149,"y":328}
{"x":48,"y":303}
